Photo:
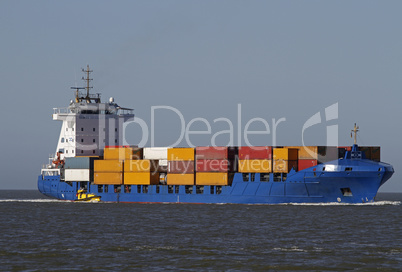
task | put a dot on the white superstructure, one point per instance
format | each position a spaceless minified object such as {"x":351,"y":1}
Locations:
{"x":89,"y":125}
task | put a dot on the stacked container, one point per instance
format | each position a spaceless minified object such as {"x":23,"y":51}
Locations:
{"x":108,"y":172}
{"x":180,"y":166}
{"x":122,"y":153}
{"x":255,"y":159}
{"x":371,"y":152}
{"x":110,"y":169}
{"x":141,"y":172}
{"x":215,"y":165}
{"x":310,"y":156}
{"x":284,"y":159}
{"x":79,"y":168}
{"x":160,"y":154}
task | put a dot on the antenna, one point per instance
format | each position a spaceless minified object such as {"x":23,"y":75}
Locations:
{"x":87,"y":79}
{"x":355,"y":130}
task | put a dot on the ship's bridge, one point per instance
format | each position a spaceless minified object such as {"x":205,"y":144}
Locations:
{"x":91,"y":108}
{"x":88,"y":125}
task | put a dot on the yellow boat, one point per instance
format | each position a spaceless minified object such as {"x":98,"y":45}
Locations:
{"x":83,"y":196}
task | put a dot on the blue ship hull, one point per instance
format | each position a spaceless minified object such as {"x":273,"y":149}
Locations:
{"x":344,"y":180}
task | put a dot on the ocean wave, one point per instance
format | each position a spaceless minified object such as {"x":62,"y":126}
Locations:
{"x":376,"y":203}
{"x":40,"y":200}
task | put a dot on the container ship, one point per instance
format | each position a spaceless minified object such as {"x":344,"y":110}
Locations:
{"x":92,"y":164}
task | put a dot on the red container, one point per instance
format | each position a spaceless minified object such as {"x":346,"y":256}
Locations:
{"x":255,"y":153}
{"x":215,"y":166}
{"x":181,"y":167}
{"x":215,"y":152}
{"x":304,"y":164}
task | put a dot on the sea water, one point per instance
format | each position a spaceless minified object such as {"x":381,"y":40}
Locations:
{"x":42,"y":234}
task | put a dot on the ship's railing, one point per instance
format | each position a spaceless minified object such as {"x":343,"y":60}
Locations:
{"x":62,"y":111}
{"x":50,"y":172}
{"x":125,"y":112}
{"x":83,"y":95}
{"x":86,"y":111}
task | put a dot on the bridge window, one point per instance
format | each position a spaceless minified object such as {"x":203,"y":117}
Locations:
{"x":106,"y":188}
{"x":277,"y":177}
{"x":100,"y":188}
{"x":212,"y":190}
{"x":157,"y":189}
{"x":139,"y":189}
{"x":117,"y":188}
{"x":218,"y":190}
{"x":176,"y":189}
{"x":252,"y":175}
{"x":245,"y":176}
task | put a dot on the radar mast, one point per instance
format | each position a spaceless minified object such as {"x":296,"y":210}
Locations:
{"x":355,"y":130}
{"x":80,"y":97}
{"x":87,"y":79}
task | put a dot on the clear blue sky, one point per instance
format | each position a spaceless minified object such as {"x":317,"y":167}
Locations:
{"x":278,"y":59}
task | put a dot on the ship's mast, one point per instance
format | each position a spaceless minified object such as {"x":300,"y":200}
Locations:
{"x":355,"y":130}
{"x":89,"y":97}
{"x":87,"y":79}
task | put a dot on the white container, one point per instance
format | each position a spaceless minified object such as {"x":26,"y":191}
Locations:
{"x":163,"y":162}
{"x":155,"y":153}
{"x":76,"y":175}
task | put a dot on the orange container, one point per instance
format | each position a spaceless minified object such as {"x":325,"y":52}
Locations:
{"x":255,"y":166}
{"x":213,"y":178}
{"x":181,"y":154}
{"x":140,"y":165}
{"x":282,"y":166}
{"x":286,"y":154}
{"x":180,"y":179}
{"x":118,"y":153}
{"x":108,"y":178}
{"x":108,"y":166}
{"x":141,"y":178}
